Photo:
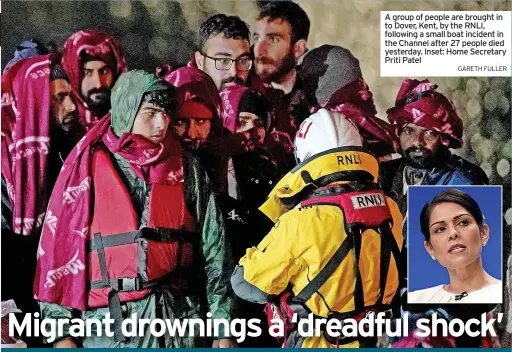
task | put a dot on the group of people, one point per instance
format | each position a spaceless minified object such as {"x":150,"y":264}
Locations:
{"x":138,"y":192}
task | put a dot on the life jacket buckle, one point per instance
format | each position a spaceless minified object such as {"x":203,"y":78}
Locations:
{"x":126,"y":284}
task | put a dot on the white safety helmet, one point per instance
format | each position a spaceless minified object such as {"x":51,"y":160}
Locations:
{"x":322,"y":131}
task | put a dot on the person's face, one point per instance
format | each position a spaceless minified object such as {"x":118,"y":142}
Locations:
{"x":63,"y":108}
{"x":192,"y":123}
{"x":151,"y":122}
{"x":419,"y":145}
{"x":247,"y":121}
{"x":219,"y":46}
{"x":455,"y":237}
{"x":274,"y":54}
{"x":96,"y":85}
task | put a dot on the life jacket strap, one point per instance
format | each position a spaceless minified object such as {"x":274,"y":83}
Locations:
{"x":127,"y":284}
{"x":386,"y":240}
{"x":114,"y":304}
{"x":356,"y":234}
{"x":153,"y":234}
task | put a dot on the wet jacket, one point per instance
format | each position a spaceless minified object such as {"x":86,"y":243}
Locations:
{"x":452,"y":170}
{"x":304,"y":239}
{"x":211,"y":270}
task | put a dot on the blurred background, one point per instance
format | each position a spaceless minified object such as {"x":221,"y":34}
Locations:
{"x":155,"y":32}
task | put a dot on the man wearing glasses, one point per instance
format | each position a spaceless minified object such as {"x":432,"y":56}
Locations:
{"x":224,"y":50}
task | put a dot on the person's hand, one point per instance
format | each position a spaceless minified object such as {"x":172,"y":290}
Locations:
{"x":224,"y":343}
{"x":65,"y":343}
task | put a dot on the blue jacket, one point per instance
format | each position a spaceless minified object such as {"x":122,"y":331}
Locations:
{"x":453,"y":170}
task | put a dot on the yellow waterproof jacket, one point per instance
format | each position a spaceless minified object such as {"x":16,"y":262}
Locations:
{"x":304,"y":239}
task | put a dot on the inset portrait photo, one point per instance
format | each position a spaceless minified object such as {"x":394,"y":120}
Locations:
{"x":455,"y":244}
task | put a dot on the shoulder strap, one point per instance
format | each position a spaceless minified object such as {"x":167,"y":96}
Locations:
{"x":320,"y":279}
{"x":386,"y":239}
{"x":349,"y":243}
{"x":389,"y":247}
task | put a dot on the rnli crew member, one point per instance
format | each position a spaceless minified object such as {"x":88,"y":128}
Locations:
{"x":329,"y":215}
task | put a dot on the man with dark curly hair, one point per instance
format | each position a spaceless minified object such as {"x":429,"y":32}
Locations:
{"x":224,"y":52}
{"x":280,"y":40}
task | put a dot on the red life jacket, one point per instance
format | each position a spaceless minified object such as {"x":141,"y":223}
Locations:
{"x":125,"y":261}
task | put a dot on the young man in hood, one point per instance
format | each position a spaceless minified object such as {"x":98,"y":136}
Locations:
{"x":251,"y":170}
{"x":166,"y":258}
{"x":93,"y":61}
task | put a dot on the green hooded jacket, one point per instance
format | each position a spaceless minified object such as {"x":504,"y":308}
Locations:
{"x":215,"y":264}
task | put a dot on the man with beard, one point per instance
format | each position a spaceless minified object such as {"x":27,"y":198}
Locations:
{"x":280,"y":41}
{"x":93,"y":61}
{"x":427,"y":125}
{"x":38,"y":90}
{"x":33,"y":150}
{"x":198,"y":107}
{"x":224,"y":52}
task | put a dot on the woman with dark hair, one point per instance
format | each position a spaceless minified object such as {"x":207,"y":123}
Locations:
{"x":455,"y":233}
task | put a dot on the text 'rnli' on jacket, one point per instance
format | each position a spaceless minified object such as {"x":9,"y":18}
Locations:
{"x":304,"y":239}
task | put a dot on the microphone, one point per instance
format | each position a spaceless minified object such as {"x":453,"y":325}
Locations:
{"x":461,"y":296}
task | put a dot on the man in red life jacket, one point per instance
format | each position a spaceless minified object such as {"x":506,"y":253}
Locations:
{"x":93,"y":61}
{"x":133,"y":227}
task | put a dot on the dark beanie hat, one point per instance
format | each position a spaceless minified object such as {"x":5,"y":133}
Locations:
{"x":254,"y":102}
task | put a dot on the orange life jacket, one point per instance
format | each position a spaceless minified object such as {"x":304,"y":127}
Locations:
{"x":125,"y":262}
